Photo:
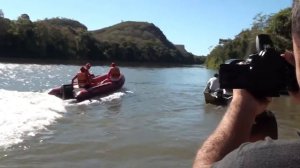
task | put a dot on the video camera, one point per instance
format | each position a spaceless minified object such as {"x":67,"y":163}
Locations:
{"x":264,"y":74}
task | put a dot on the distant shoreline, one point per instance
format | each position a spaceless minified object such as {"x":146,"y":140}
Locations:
{"x":82,"y":62}
{"x":66,"y":41}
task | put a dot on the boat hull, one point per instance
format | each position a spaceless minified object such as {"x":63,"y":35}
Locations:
{"x":99,"y":90}
{"x":80,"y":94}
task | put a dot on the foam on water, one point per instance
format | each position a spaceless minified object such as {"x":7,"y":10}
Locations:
{"x":112,"y":97}
{"x":108,"y":98}
{"x":24,"y":114}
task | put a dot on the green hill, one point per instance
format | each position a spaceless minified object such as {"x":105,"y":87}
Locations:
{"x":140,"y":33}
{"x":69,"y":40}
{"x":148,"y":42}
{"x":64,"y":23}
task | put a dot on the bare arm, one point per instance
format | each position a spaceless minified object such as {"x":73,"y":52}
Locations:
{"x":74,"y":79}
{"x":296,"y":35}
{"x":233,"y":130}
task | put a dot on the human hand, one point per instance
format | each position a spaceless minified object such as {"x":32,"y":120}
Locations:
{"x":248,"y":101}
{"x":290,"y":58}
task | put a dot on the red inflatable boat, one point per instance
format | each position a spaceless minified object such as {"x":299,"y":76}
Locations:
{"x":99,"y":88}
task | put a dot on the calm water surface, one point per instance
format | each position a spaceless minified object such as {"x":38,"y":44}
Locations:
{"x":158,"y":119}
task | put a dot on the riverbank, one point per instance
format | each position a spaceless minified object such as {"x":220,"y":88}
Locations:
{"x":82,"y":62}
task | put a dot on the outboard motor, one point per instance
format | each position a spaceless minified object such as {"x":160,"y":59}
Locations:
{"x":67,"y":91}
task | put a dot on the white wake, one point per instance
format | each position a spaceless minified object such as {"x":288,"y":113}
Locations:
{"x":24,"y":114}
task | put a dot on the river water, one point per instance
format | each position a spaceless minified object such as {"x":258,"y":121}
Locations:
{"x":159,"y":118}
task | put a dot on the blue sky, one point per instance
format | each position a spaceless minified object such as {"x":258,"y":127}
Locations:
{"x":197,"y":24}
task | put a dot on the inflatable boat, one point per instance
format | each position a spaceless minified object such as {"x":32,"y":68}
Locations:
{"x":99,"y":88}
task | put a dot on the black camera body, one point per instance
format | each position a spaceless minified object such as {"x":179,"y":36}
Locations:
{"x":264,"y":74}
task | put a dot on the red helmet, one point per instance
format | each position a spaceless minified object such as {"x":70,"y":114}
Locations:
{"x":113,"y":64}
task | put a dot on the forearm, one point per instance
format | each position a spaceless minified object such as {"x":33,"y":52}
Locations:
{"x":73,"y":79}
{"x":296,"y":35}
{"x":296,"y":46}
{"x":233,"y":130}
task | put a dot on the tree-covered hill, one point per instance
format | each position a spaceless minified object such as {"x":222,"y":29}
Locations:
{"x":64,"y":23}
{"x":141,"y":33}
{"x":142,"y":41}
{"x":277,"y":25}
{"x":69,"y":40}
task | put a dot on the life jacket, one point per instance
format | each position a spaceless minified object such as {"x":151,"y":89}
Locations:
{"x":82,"y":79}
{"x":114,"y":73}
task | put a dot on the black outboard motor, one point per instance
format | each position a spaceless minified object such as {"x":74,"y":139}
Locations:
{"x":67,"y":91}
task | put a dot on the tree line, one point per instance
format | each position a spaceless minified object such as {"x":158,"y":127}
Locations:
{"x":66,"y":39}
{"x":277,"y":25}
